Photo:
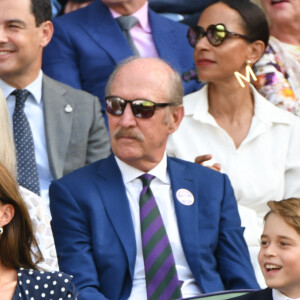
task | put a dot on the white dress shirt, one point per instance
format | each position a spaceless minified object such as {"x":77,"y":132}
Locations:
{"x":266,"y":166}
{"x":161,"y":190}
{"x":34,"y":112}
{"x":279,"y":296}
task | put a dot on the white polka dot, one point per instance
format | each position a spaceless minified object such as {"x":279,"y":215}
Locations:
{"x":43,"y":295}
{"x":54,"y":282}
{"x":45,"y":285}
{"x":63,"y":289}
{"x":51,"y":292}
{"x":36,"y":287}
{"x":26,"y":292}
{"x":27,"y":281}
{"x":38,"y":278}
{"x":66,"y":280}
{"x":59,"y":275}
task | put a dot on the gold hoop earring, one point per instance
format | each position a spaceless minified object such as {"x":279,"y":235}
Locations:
{"x":249,"y":74}
{"x":1,"y":230}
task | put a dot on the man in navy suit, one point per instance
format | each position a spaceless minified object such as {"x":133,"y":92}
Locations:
{"x":96,"y":221}
{"x":88,"y":43}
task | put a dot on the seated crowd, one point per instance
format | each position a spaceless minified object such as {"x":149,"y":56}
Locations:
{"x":140,"y":158}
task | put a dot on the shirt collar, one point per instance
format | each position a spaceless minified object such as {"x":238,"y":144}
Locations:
{"x":196,"y":104}
{"x":130,"y":173}
{"x":141,"y":15}
{"x":35,"y":88}
{"x":279,"y":296}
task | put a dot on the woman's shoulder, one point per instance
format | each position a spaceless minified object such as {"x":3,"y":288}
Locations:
{"x":43,"y":284}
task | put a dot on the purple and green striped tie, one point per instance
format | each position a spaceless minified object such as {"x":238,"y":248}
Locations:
{"x":160,"y":270}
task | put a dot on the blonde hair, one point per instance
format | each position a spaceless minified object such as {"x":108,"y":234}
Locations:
{"x":7,"y":149}
{"x":288,"y":209}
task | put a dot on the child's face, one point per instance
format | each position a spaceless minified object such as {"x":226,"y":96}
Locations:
{"x":279,"y":256}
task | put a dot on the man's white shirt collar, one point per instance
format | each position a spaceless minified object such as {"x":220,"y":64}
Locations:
{"x":130,"y":173}
{"x":35,"y":88}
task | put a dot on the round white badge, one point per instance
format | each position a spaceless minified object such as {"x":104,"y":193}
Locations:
{"x":185,"y":197}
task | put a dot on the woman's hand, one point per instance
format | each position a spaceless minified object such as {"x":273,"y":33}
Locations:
{"x":202,"y":158}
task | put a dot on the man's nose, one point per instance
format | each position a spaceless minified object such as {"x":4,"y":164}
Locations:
{"x":127,"y":119}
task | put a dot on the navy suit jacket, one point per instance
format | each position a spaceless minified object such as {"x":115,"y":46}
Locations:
{"x":94,"y":234}
{"x":88,"y":44}
{"x":265,"y":294}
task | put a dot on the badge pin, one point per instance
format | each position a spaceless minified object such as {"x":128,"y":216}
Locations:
{"x":185,"y":197}
{"x":68,"y":108}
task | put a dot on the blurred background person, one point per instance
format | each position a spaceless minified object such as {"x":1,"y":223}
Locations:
{"x":88,"y":43}
{"x":71,"y":5}
{"x":235,"y":125}
{"x":278,"y":71}
{"x":38,"y":212}
{"x":19,"y":274}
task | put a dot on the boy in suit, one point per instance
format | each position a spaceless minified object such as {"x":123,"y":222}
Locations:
{"x":279,"y":256}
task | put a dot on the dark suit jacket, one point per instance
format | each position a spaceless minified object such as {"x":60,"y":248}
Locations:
{"x":88,"y":44}
{"x":95,"y":239}
{"x":179,"y":6}
{"x":76,"y":138}
{"x":265,"y":294}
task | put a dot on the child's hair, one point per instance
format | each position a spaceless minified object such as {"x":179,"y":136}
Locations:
{"x":288,"y":209}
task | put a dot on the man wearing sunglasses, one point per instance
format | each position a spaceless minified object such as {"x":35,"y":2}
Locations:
{"x":171,"y":233}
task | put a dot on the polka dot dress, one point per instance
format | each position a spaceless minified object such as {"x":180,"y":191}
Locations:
{"x":37,"y":285}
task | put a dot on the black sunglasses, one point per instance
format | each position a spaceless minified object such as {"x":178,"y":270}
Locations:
{"x":216,"y":34}
{"x":141,"y":108}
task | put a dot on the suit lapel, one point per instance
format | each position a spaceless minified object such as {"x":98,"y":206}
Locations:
{"x":187,"y":215}
{"x":104,"y":30}
{"x":116,"y":204}
{"x":164,"y":38}
{"x":58,"y":124}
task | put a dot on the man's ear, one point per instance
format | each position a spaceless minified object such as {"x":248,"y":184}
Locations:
{"x":176,"y":116}
{"x":47,"y":33}
{"x":256,"y":51}
{"x":7,"y":212}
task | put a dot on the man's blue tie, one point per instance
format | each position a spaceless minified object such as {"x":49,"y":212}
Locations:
{"x":26,"y":164}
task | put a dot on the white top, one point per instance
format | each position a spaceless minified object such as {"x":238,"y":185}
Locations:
{"x":40,"y":219}
{"x":35,"y":115}
{"x":279,"y":296}
{"x":266,"y":166}
{"x":161,"y":190}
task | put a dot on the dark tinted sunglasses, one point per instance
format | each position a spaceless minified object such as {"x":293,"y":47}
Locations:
{"x":216,"y":34}
{"x":141,"y":108}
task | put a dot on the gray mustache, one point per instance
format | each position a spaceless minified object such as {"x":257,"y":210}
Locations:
{"x":128,"y":133}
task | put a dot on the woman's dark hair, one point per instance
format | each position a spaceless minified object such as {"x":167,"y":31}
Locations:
{"x":17,"y":238}
{"x":255,"y":22}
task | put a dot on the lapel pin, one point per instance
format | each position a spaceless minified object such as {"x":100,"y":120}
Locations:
{"x":68,"y":108}
{"x":185,"y":197}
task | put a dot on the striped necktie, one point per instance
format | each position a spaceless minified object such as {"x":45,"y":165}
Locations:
{"x":160,"y":270}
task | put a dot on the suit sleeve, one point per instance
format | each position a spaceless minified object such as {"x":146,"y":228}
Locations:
{"x":98,"y":141}
{"x":73,"y":242}
{"x":60,"y":58}
{"x":232,"y":253}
